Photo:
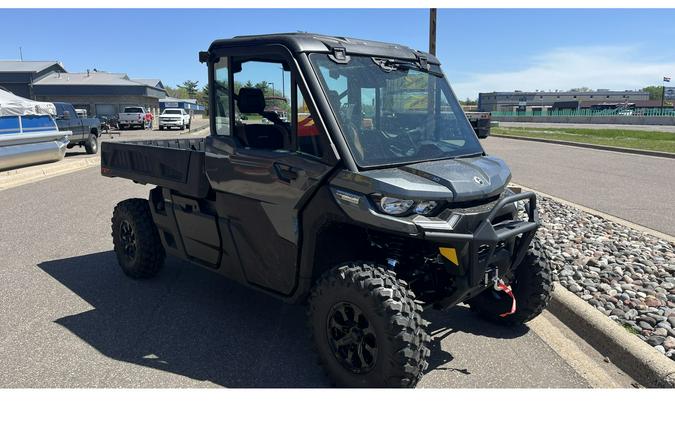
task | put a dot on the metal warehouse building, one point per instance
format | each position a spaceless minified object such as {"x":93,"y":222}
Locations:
{"x":188,"y":104}
{"x":100,"y":93}
{"x":519,"y":100}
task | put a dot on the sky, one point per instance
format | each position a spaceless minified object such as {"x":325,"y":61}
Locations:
{"x":480,"y":50}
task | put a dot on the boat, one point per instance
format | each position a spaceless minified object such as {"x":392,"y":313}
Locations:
{"x":28,"y":133}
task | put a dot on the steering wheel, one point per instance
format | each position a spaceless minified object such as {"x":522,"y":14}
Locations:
{"x":397,"y":144}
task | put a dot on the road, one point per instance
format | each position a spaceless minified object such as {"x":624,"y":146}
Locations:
{"x":637,"y":188}
{"x":70,"y":318}
{"x":656,"y":128}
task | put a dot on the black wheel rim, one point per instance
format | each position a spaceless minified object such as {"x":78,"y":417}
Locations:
{"x":352,"y":338}
{"x":128,"y":238}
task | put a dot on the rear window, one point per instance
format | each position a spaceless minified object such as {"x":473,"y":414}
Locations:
{"x":133,"y":110}
{"x":172,"y":112}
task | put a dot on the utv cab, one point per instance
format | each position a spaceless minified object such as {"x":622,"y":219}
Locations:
{"x":370,"y":202}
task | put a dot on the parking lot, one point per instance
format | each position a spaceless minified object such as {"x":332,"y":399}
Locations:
{"x":84,"y":324}
{"x":87,"y":325}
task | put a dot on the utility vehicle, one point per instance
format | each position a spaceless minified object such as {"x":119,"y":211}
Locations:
{"x":375,"y":201}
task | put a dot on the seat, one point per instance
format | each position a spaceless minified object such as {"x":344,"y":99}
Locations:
{"x":263,"y":136}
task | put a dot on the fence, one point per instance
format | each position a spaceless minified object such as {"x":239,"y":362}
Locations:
{"x":586,"y":112}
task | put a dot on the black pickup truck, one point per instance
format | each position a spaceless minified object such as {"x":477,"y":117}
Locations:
{"x":372,"y":203}
{"x":85,"y":130}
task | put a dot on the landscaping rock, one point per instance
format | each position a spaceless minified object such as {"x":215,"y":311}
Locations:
{"x":624,"y":273}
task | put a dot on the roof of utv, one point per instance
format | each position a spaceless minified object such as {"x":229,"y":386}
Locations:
{"x":303,"y":42}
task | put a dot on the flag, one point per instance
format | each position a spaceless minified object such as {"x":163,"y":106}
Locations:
{"x":666,"y":79}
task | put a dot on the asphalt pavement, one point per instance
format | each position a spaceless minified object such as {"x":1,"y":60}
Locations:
{"x":636,"y":188}
{"x":70,"y":318}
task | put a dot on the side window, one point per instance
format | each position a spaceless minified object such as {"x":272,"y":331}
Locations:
{"x":308,"y":132}
{"x":262,"y":115}
{"x":222,"y":97}
{"x":59,"y":109}
{"x":71,"y":110}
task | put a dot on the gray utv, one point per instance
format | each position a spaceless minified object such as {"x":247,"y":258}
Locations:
{"x":369,"y":201}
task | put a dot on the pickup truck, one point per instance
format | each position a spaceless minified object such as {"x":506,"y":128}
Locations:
{"x":132,"y":116}
{"x":85,"y":131}
{"x":174,"y":117}
{"x":367,"y":219}
{"x":480,"y":121}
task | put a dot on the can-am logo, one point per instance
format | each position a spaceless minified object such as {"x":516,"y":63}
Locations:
{"x":478,"y":180}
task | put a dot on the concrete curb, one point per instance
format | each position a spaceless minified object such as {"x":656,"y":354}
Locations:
{"x":21,"y":176}
{"x":632,"y":355}
{"x":592,"y":146}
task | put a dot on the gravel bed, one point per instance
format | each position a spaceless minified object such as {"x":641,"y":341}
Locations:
{"x":624,"y":273}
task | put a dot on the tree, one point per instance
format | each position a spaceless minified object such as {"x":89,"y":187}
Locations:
{"x":190,"y":88}
{"x":582,"y":89}
{"x":655,"y":92}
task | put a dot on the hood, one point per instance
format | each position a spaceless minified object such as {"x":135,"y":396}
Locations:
{"x":456,"y":180}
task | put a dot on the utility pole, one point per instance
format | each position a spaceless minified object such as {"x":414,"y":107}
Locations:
{"x":20,"y":53}
{"x":432,"y":31}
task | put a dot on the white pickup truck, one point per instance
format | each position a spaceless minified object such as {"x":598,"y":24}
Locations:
{"x":174,"y":117}
{"x":132,"y":116}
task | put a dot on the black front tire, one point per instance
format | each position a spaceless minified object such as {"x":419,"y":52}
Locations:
{"x":386,"y":345}
{"x":532,"y":287}
{"x":136,"y":241}
{"x":91,"y":144}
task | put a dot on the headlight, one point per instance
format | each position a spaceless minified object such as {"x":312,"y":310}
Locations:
{"x":425,"y":207}
{"x":395,"y":206}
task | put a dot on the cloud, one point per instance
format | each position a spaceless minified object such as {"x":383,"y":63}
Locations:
{"x":610,"y":67}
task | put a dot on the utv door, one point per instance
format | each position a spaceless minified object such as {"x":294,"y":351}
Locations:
{"x":262,"y":179}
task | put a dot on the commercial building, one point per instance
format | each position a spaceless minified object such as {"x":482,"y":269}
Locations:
{"x":188,"y":104}
{"x":18,"y":76}
{"x":100,"y":93}
{"x":538,"y":100}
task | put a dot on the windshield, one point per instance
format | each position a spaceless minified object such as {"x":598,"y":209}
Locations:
{"x":133,"y":110}
{"x":391,"y":112}
{"x":171,"y":112}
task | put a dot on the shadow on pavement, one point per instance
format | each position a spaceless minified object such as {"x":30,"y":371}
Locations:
{"x":191,"y":322}
{"x":461,"y":319}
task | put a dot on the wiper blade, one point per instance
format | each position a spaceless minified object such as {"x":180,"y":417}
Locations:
{"x":389,"y":65}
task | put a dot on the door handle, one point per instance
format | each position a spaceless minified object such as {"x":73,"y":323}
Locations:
{"x":286,"y":172}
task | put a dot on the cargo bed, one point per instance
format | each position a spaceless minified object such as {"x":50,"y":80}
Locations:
{"x":171,"y":163}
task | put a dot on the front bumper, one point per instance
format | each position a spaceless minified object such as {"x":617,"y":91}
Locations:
{"x":491,"y":248}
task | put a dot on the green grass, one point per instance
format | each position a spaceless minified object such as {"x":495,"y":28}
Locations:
{"x":638,"y":139}
{"x":630,"y":329}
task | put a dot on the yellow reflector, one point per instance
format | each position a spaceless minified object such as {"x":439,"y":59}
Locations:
{"x":451,"y":254}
